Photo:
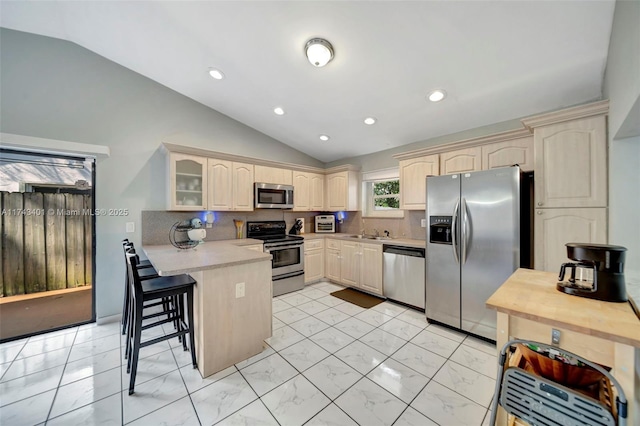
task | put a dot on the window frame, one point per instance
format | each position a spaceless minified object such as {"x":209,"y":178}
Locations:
{"x":368,"y":197}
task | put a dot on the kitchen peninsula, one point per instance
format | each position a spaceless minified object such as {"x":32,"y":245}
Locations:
{"x":232,"y":299}
{"x":529,"y":307}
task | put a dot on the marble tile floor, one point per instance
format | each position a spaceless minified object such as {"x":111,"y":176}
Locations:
{"x":328,"y":363}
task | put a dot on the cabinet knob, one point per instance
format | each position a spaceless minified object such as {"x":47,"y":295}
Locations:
{"x":539,"y":203}
{"x":539,"y":212}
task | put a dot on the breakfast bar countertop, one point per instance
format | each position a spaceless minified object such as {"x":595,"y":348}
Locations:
{"x":168,"y":260}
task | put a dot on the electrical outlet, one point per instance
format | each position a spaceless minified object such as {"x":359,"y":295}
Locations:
{"x":555,"y":336}
{"x":423,"y":223}
{"x":131,"y":227}
{"x":239,"y":290}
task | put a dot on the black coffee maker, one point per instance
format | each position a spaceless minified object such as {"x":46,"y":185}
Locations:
{"x":597,"y":273}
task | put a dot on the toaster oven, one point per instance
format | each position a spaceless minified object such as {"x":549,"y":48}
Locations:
{"x":325,"y":223}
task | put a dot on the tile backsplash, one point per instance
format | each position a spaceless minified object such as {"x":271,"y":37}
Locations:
{"x":156,"y":224}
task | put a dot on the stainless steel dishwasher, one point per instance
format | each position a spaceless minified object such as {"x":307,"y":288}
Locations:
{"x":403,"y":274}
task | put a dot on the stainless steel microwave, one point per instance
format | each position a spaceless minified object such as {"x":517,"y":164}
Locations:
{"x":273,"y":196}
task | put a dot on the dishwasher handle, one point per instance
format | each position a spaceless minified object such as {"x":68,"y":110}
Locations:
{"x":404,"y":251}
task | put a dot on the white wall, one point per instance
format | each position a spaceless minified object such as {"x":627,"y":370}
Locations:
{"x":58,"y":90}
{"x":622,"y":87}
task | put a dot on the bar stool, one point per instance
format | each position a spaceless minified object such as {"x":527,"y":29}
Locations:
{"x":145,"y":271}
{"x":174,"y":287}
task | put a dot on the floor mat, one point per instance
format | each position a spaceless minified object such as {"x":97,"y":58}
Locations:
{"x":357,"y":298}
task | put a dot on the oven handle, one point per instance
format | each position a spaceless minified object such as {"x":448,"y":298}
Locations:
{"x":282,"y":244}
{"x":289,"y":275}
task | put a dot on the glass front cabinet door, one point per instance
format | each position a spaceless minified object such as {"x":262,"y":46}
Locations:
{"x":188,"y":182}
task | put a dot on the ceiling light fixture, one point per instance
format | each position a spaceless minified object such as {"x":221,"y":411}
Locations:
{"x":369,"y":121}
{"x":278,"y":111}
{"x":319,"y":52}
{"x":324,"y":138}
{"x":216,"y":73}
{"x":437,"y":95}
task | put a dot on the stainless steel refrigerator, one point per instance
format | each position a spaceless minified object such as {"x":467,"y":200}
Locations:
{"x":473,"y":245}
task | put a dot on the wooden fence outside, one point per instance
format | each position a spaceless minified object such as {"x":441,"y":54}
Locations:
{"x":46,"y":242}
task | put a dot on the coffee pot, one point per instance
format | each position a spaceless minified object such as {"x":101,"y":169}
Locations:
{"x":597,"y":272}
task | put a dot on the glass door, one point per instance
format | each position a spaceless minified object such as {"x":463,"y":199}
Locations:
{"x":189,"y":182}
{"x":48,"y":243}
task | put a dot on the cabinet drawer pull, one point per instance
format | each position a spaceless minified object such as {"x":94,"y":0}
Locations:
{"x":539,"y":212}
{"x":540,"y":203}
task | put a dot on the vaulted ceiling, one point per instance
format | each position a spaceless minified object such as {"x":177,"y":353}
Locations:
{"x":496,"y":60}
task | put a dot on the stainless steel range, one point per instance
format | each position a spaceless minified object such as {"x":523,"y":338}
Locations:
{"x":287,"y":265}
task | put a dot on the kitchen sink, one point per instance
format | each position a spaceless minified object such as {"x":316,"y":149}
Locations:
{"x":369,"y":237}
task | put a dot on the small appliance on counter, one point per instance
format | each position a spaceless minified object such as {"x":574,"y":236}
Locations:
{"x":325,"y":223}
{"x":298,"y":227}
{"x":597,"y":273}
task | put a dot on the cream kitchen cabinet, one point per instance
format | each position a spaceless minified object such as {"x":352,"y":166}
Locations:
{"x":361,"y":266}
{"x":460,"y":161}
{"x":556,"y":227}
{"x":505,"y":154}
{"x":413,"y":174}
{"x":333,"y":260}
{"x":571,"y":164}
{"x":265,"y":174}
{"x":187,"y":182}
{"x":230,"y":185}
{"x":308,"y":191}
{"x":313,"y":260}
{"x":342,"y":191}
{"x":371,"y":268}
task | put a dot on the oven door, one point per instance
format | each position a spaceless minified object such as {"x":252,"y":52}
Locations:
{"x":287,"y":257}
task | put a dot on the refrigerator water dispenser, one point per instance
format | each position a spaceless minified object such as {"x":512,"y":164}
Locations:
{"x":440,"y":229}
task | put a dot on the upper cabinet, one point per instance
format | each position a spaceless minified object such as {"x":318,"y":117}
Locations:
{"x":505,"y":154}
{"x":556,"y":227}
{"x":230,"y":185}
{"x":308,"y":191}
{"x":571,"y":164}
{"x":187,"y":182}
{"x":342,"y":191}
{"x":265,"y":174}
{"x":413,"y":178}
{"x":460,"y":161}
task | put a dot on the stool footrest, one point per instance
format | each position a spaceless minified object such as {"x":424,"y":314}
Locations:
{"x":161,"y":338}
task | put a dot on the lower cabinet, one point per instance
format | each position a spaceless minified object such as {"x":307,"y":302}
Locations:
{"x":332,"y":260}
{"x":313,"y":260}
{"x":361,"y":266}
{"x":553,"y":228}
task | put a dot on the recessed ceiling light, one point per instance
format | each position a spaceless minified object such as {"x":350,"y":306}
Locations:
{"x":216,"y":73}
{"x":437,"y":95}
{"x":278,"y":111}
{"x":324,"y":138}
{"x":370,"y":121}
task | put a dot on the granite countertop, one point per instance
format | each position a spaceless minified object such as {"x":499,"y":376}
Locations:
{"x":408,"y":242}
{"x":168,"y":260}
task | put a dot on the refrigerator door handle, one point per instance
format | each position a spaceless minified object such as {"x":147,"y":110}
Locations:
{"x":454,"y":229}
{"x":466,"y":230}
